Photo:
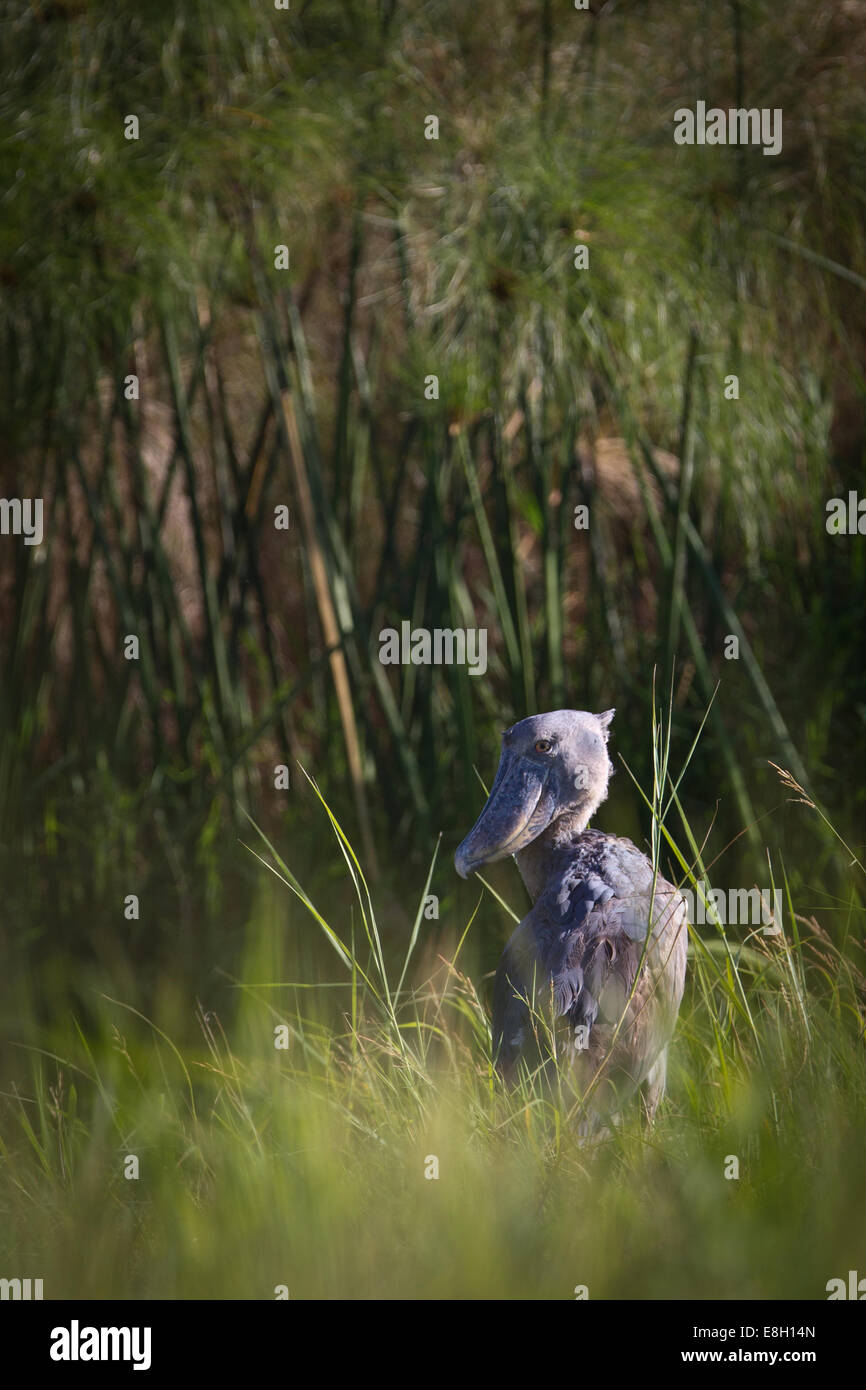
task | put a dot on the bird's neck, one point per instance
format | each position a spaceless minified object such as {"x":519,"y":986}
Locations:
{"x":560,"y":837}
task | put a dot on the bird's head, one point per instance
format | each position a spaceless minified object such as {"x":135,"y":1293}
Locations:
{"x":551,"y":765}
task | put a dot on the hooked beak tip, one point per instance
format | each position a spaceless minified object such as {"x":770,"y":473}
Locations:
{"x":462,"y":864}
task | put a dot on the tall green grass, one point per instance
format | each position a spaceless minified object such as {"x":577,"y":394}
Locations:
{"x":410,"y":257}
{"x":306,"y":1167}
{"x":305,"y":388}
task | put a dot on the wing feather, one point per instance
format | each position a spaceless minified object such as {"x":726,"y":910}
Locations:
{"x":581,"y":949}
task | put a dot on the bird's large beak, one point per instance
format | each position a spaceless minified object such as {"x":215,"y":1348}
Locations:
{"x":520,"y":805}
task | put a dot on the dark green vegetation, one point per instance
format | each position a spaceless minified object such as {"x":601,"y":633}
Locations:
{"x":305,"y":387}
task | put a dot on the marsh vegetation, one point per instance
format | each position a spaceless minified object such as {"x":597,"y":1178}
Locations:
{"x":173,"y":396}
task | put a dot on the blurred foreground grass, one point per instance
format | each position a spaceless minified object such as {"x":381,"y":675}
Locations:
{"x":305,"y":1167}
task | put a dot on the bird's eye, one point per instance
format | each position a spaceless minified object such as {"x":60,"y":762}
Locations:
{"x":543,"y":745}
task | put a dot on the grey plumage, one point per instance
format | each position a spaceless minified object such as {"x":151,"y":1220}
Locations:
{"x":582,"y":946}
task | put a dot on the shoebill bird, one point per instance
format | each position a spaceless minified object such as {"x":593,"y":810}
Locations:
{"x":585,"y":950}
